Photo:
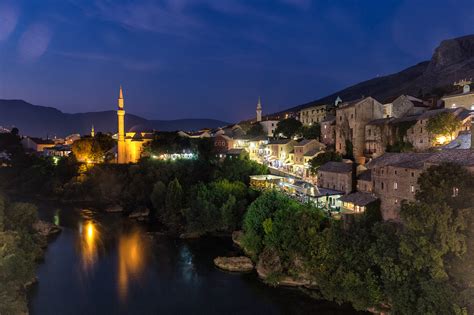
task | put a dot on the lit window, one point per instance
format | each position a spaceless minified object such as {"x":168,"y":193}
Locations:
{"x":395,"y":185}
{"x":396,"y":201}
{"x":455,"y":191}
{"x":412,"y":188}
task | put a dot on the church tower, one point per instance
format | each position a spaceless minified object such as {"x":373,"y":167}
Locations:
{"x":121,"y":158}
{"x":259,"y":110}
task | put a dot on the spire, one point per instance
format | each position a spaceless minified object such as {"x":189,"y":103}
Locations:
{"x":259,"y":104}
{"x":120,"y":99}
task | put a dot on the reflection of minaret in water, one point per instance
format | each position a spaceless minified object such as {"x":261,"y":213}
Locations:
{"x":121,"y":159}
{"x":259,"y":110}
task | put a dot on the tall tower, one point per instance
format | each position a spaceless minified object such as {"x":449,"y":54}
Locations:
{"x":259,"y":110}
{"x":121,"y":158}
{"x":92,"y":132}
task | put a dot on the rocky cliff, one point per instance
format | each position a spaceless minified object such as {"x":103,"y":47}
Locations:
{"x":452,"y":60}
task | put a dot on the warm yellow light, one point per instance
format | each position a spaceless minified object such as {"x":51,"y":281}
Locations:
{"x":441,"y":139}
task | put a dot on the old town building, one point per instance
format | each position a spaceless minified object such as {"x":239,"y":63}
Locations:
{"x":351,"y":119}
{"x":313,"y":115}
{"x":223,"y":143}
{"x":280,"y":149}
{"x":328,"y":130}
{"x":302,"y":153}
{"x":336,"y":176}
{"x":37,"y":144}
{"x":395,"y":175}
{"x":462,"y":98}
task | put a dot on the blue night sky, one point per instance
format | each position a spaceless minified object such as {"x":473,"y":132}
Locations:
{"x":211,"y":58}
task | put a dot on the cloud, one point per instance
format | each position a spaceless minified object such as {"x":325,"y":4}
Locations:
{"x":34,"y":41}
{"x":127,"y":63}
{"x":8,"y":20}
{"x":147,"y":16}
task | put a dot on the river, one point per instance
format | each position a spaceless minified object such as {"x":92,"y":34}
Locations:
{"x":105,"y":264}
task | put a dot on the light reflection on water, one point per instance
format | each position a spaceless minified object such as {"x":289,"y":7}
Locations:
{"x":131,"y":260}
{"x":90,"y":243}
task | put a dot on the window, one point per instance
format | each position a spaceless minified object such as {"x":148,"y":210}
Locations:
{"x":412,"y":174}
{"x":396,"y":201}
{"x":370,"y":132}
{"x":421,"y":130}
{"x":382,"y":185}
{"x":455,"y":192}
{"x":340,"y":118}
{"x":412,"y":188}
{"x":395,"y":186}
{"x":395,"y":172}
{"x":352,"y":116}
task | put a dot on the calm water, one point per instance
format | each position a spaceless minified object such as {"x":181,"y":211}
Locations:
{"x":103,"y":264}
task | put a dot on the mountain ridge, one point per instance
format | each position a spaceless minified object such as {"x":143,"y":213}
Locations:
{"x":451,"y":61}
{"x":43,"y":121}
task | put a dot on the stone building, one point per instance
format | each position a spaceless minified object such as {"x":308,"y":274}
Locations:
{"x":378,"y":134}
{"x":280,"y":150}
{"x":395,"y":175}
{"x":313,"y":115}
{"x":328,"y":130}
{"x":302,"y":153}
{"x":403,"y":105}
{"x":269,"y":126}
{"x":336,"y":176}
{"x":421,"y":138}
{"x":223,"y":143}
{"x":364,"y":182}
{"x":351,"y":119}
{"x":36,"y":144}
{"x":462,"y":98}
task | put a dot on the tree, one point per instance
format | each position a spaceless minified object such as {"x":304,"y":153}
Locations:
{"x":171,"y":214}
{"x":446,"y":183}
{"x":256,"y":130}
{"x":311,"y":132}
{"x":158,"y":196}
{"x":288,"y":128}
{"x":20,"y":216}
{"x":88,"y":149}
{"x":445,"y":124}
{"x":322,"y":159}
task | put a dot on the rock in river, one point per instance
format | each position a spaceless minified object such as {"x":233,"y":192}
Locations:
{"x":235,"y":264}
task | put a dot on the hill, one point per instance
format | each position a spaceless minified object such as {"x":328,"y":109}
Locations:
{"x":452,"y":60}
{"x":42,"y":121}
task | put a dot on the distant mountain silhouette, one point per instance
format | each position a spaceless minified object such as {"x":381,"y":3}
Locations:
{"x":41,"y":121}
{"x":452,"y":60}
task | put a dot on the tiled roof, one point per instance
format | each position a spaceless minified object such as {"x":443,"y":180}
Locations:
{"x":463,"y":157}
{"x":304,"y":142}
{"x":329,"y":118}
{"x":336,"y":167}
{"x":312,"y":152}
{"x":359,"y":198}
{"x":381,"y":121}
{"x":463,"y":141}
{"x":280,"y":141}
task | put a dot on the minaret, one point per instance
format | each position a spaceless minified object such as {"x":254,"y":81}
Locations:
{"x":92,"y":132}
{"x":121,"y":158}
{"x":259,"y":110}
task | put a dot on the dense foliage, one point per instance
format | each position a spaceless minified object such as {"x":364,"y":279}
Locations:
{"x":311,"y":132}
{"x":288,"y":128}
{"x":19,"y":249}
{"x":93,"y":149}
{"x":445,"y":124}
{"x":423,"y":266}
